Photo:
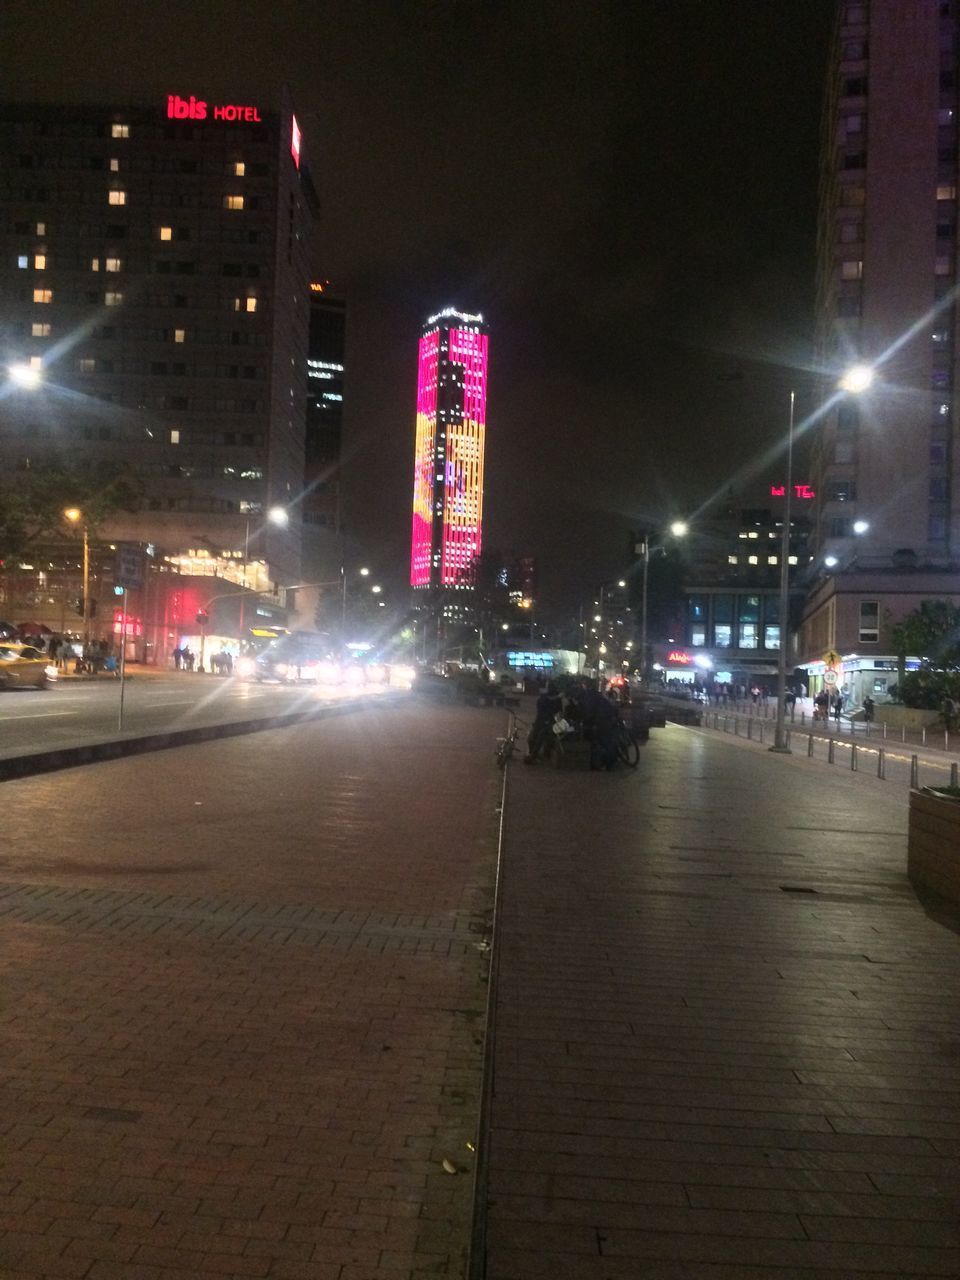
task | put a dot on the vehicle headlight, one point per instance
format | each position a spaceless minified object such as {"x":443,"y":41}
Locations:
{"x":246,"y":666}
{"x":281,"y":668}
{"x":51,"y":673}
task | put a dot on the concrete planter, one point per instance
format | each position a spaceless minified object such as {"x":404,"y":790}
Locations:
{"x":933,"y":848}
{"x":910,"y":718}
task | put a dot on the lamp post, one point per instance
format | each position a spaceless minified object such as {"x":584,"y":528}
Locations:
{"x":75,"y":516}
{"x":678,"y":529}
{"x":276,"y":515}
{"x":780,"y":743}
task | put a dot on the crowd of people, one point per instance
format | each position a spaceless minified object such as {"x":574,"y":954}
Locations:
{"x":584,"y":712}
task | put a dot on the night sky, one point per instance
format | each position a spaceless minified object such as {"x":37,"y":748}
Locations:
{"x":627,"y":192}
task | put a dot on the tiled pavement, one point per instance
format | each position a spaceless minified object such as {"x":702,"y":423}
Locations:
{"x":728,"y":1034}
{"x":241,"y":997}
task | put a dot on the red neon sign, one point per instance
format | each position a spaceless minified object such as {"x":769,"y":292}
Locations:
{"x":800,"y":490}
{"x":295,"y":140}
{"x":678,"y":656}
{"x":196,"y":109}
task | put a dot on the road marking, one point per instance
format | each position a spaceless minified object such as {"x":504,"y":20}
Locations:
{"x":190,"y":702}
{"x":39,"y":715}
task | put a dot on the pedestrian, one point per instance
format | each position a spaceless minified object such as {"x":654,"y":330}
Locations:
{"x":868,"y":709}
{"x":188,"y":658}
{"x":821,"y":705}
{"x":600,"y":724}
{"x":790,"y":702}
{"x":836,"y":705}
{"x":549,"y":706}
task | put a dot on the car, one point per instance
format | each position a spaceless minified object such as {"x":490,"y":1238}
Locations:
{"x":23,"y":666}
{"x":302,"y":655}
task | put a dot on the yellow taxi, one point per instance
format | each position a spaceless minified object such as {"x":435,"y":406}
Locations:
{"x":23,"y":666}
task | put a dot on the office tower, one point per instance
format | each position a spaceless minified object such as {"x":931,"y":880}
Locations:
{"x":448,"y":468}
{"x":887,"y":465}
{"x":154,"y":268}
{"x":322,"y":553}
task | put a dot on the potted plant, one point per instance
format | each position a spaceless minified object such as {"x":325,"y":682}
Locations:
{"x":933,"y":840}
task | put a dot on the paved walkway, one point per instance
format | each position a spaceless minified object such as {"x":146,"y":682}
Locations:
{"x":728,"y":1034}
{"x":242,"y":1004}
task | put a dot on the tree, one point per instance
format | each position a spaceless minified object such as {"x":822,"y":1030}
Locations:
{"x":933,"y":633}
{"x":32,"y":501}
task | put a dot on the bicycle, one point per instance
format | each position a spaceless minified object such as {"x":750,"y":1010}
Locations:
{"x":628,"y":747}
{"x":506,"y":746}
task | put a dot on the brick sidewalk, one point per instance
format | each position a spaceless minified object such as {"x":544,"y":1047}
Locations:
{"x":243,"y":1001}
{"x":727,"y":1039}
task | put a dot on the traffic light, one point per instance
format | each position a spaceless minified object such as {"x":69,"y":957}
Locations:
{"x":202,"y":618}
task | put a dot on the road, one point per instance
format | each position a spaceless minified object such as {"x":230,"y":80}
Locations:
{"x":72,"y":712}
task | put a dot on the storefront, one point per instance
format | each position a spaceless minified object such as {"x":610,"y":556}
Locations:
{"x":858,"y":677}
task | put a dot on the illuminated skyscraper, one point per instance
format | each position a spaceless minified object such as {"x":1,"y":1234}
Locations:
{"x":448,"y":467}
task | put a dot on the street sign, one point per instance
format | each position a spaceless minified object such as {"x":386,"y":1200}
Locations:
{"x":128,"y":568}
{"x":831,"y":658}
{"x":831,"y":678}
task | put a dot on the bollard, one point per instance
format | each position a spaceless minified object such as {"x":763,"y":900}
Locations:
{"x":946,"y":739}
{"x":903,"y":733}
{"x":803,"y":718}
{"x":884,"y":730}
{"x":831,"y":753}
{"x":736,"y":726}
{"x":810,"y":746}
{"x":853,"y":757}
{"x":914,"y":773}
{"x":954,"y":779}
{"x":761,"y":733}
{"x":881,"y":763}
{"x":923,"y":736}
{"x":750,"y":728}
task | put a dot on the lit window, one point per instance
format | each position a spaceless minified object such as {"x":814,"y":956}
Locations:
{"x":733,"y":559}
{"x":251,"y":304}
{"x":943,"y":266}
{"x":166,"y":233}
{"x":114,"y":165}
{"x":94,"y":264}
{"x":174,"y":436}
{"x":753,"y":559}
{"x":43,"y":295}
{"x":791,"y":559}
{"x":36,"y":362}
{"x":23,"y":261}
{"x":113,"y":299}
{"x":179,"y":335}
{"x":113,"y":264}
{"x":947,"y":192}
{"x":41,"y":228}
{"x":851,"y":270}
{"x":120,"y":131}
{"x":772,"y":560}
{"x":233,"y":202}
{"x":753,"y":534}
{"x":117,"y":197}
{"x":742,"y":534}
{"x":239,"y":169}
{"x":86,"y":365}
{"x":40,"y":330}
{"x":39,"y":262}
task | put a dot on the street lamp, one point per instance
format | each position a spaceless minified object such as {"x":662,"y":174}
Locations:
{"x":780,"y":743}
{"x":856,"y":379}
{"x":75,"y":516}
{"x":279,"y":516}
{"x":678,"y":529}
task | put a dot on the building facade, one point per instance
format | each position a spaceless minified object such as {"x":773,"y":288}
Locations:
{"x":154,"y":271}
{"x":887,"y":462}
{"x":322,"y":551}
{"x":448,"y":466}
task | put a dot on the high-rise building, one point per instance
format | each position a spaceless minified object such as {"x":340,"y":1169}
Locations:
{"x":322,"y":553}
{"x":448,"y":467}
{"x":153,"y":267}
{"x":887,"y":461}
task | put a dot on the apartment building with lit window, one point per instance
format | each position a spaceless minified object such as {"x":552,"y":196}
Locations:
{"x":321,"y":509}
{"x":154,"y":268}
{"x":886,"y":460}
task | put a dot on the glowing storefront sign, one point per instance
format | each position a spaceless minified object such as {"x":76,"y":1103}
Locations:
{"x":678,"y":656}
{"x":295,"y":140}
{"x":803,"y":491}
{"x":197,"y":109}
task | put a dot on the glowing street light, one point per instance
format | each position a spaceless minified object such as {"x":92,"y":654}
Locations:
{"x":75,"y":516}
{"x":364,"y":573}
{"x":376,"y":590}
{"x":278,"y":516}
{"x":857,"y":379}
{"x":831,"y":561}
{"x":861,"y":526}
{"x":679,"y":528}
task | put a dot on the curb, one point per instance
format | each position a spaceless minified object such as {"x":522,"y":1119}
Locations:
{"x":96,"y":752}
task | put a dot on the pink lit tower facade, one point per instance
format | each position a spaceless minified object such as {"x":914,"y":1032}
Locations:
{"x":448,"y":468}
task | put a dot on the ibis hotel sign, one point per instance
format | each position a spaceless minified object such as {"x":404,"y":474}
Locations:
{"x":198,"y":109}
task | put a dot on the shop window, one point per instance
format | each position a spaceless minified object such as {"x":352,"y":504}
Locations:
{"x":748,"y":635}
{"x":771,"y":636}
{"x":722,"y":635}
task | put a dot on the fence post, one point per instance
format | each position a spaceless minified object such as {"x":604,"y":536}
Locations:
{"x":903,"y":733}
{"x":810,"y":745}
{"x":881,"y":763}
{"x":831,"y":754}
{"x":750,"y":728}
{"x":761,"y":731}
{"x":946,"y":739}
{"x":954,"y":779}
{"x":853,"y":757}
{"x":803,"y":717}
{"x":884,"y":730}
{"x":914,"y":773}
{"x":923,"y":736}
{"x":736,"y":726}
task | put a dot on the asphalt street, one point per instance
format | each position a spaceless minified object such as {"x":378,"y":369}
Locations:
{"x":71,"y":711}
